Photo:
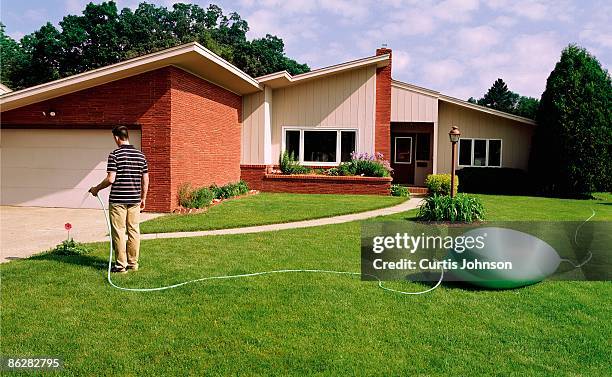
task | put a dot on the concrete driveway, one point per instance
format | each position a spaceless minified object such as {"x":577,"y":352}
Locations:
{"x":29,"y":230}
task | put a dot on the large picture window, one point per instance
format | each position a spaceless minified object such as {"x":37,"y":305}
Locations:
{"x":480,"y":152}
{"x":320,"y":146}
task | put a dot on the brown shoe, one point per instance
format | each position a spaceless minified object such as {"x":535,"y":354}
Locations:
{"x":118,"y":270}
{"x":132,"y":268}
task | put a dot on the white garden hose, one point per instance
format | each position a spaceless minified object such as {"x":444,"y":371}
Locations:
{"x":223,"y":277}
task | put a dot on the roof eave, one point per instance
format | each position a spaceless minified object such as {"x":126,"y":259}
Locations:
{"x":236,"y":80}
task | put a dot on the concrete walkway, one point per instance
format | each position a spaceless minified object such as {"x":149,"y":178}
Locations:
{"x":405,"y":206}
{"x":30,"y":230}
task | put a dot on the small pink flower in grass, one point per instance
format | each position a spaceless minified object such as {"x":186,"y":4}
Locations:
{"x":68,"y":226}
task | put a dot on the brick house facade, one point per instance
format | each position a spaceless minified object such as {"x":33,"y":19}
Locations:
{"x":190,"y":127}
{"x":202,"y":121}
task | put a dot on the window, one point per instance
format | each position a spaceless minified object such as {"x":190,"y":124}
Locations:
{"x":480,"y":152}
{"x":422,"y":147}
{"x":403,"y":150}
{"x":465,"y":152}
{"x":320,"y":146}
{"x":347,"y":145}
{"x":292,"y":143}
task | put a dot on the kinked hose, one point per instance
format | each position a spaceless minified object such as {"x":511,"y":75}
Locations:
{"x":238,"y":276}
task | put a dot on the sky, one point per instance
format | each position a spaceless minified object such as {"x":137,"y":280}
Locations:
{"x":458,"y":47}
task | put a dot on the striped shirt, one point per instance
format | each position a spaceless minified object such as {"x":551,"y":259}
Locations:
{"x":130,"y":164}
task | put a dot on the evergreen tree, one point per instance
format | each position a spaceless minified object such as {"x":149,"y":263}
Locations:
{"x":498,"y":97}
{"x":572,"y":145}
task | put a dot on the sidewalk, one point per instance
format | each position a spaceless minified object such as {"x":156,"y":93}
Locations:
{"x":405,"y":206}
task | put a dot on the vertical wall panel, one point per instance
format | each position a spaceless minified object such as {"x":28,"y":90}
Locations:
{"x":345,"y":100}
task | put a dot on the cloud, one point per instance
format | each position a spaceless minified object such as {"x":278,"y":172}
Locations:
{"x":455,"y":10}
{"x":74,"y":6}
{"x":474,"y":39}
{"x":265,"y":21}
{"x":16,"y":35}
{"x":35,"y":15}
{"x":443,"y":72}
{"x":401,"y":62}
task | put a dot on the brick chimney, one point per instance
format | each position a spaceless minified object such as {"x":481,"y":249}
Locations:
{"x":382,"y":131}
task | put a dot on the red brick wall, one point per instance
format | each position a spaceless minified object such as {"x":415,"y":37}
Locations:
{"x":205,"y":133}
{"x":190,"y":127}
{"x":256,"y":177}
{"x":143,"y":99}
{"x":253,"y":175}
{"x":382,"y":132}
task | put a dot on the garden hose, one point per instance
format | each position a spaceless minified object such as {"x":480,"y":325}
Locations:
{"x":238,"y":276}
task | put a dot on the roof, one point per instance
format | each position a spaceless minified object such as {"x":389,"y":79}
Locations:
{"x":191,"y":57}
{"x":4,"y":89}
{"x":459,"y":102}
{"x":284,"y":78}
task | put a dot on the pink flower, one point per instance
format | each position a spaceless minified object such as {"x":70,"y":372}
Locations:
{"x":68,"y":226}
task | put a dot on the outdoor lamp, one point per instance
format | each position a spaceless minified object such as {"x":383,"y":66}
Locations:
{"x":454,"y":135}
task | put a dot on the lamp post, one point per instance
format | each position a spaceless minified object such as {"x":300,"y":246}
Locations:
{"x":454,"y":135}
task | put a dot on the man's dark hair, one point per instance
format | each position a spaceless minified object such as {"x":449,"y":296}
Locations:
{"x":121,"y":132}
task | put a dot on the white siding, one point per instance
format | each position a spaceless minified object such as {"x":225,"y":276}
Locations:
{"x":346,"y":100}
{"x":411,"y":106}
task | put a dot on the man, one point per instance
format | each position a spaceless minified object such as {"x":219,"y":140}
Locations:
{"x":127,"y":172}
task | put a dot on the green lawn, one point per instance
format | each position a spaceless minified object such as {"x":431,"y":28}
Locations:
{"x":267,"y":208}
{"x":297,"y":324}
{"x":527,"y":208}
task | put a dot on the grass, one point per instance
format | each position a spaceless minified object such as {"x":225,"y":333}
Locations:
{"x":530,"y":208}
{"x":267,"y":208}
{"x":296,"y":324}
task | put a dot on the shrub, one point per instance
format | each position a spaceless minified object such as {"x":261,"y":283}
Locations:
{"x":399,"y":190}
{"x":332,"y":172}
{"x":571,"y":153}
{"x":439,"y":184}
{"x":366,"y":165}
{"x":202,"y":197}
{"x":70,"y":247}
{"x":494,"y":181}
{"x":461,"y":208}
{"x":289,"y":165}
{"x":229,"y":190}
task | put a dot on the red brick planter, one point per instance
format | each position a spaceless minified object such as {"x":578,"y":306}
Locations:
{"x":257,"y":178}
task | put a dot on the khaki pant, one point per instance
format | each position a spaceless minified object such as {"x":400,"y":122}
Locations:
{"x":125,"y":217}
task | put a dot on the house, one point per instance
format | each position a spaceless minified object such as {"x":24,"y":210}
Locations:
{"x":201,"y":120}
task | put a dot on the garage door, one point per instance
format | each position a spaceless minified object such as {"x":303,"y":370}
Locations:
{"x":55,"y":168}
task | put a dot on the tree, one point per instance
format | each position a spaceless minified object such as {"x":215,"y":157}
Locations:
{"x":12,"y":57}
{"x":102,"y":35}
{"x":572,"y":144}
{"x":499,"y":97}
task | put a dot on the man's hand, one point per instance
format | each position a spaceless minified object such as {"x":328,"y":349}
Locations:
{"x":142,"y":204}
{"x":94,"y":191}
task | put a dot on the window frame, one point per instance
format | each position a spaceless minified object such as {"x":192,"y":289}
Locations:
{"x":486,"y":165}
{"x":395,"y":150}
{"x":324,"y":129}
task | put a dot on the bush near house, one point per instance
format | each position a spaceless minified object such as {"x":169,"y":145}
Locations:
{"x":367,"y":165}
{"x":289,"y":165}
{"x":203,"y":196}
{"x":400,"y":190}
{"x":506,"y":181}
{"x":460,"y":208}
{"x":439,"y":184}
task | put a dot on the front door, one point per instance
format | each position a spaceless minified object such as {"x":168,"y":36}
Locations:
{"x":403,"y":157}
